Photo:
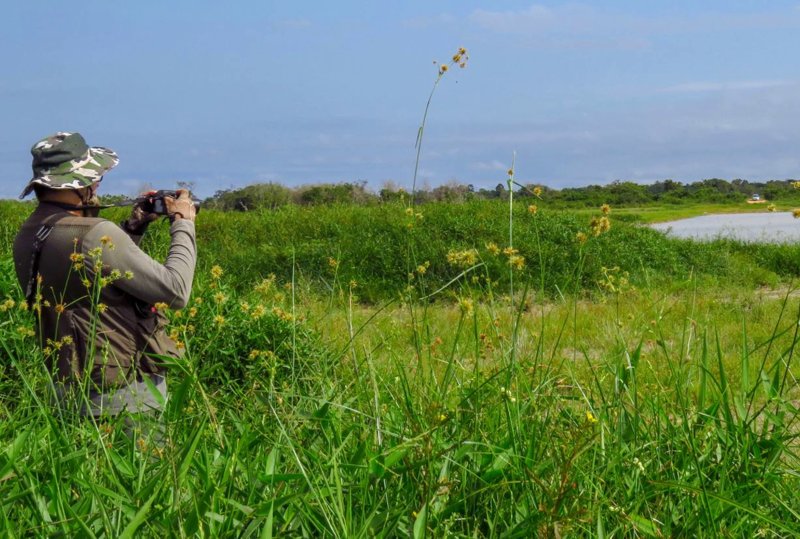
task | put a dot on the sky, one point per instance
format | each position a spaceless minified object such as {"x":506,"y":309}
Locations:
{"x":224,"y":95}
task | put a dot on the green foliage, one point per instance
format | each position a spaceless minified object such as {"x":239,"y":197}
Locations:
{"x":266,"y":196}
{"x":504,"y":423}
{"x":378,"y":246}
{"x":618,"y":193}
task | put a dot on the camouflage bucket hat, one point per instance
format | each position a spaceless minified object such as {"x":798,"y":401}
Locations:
{"x":65,"y":161}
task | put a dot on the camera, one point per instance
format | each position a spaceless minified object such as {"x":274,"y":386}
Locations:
{"x":153,"y":202}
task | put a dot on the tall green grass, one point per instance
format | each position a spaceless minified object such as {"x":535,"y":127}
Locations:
{"x":639,"y":416}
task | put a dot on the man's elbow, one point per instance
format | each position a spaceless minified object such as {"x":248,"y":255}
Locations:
{"x":180,"y":293}
{"x":180,"y":302}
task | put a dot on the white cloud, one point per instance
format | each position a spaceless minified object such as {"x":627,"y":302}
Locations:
{"x":535,"y":17}
{"x":489,"y":166}
{"x":707,"y":86}
{"x":589,"y":22}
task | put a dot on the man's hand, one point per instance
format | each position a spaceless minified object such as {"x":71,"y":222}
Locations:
{"x":139,"y":220}
{"x":181,"y":207}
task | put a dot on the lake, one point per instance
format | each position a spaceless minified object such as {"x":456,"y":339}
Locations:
{"x":778,"y":227}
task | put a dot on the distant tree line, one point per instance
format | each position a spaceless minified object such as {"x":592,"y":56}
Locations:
{"x":618,"y":193}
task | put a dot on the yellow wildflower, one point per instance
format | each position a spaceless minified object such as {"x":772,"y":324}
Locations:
{"x":192,"y":312}
{"x":129,"y":275}
{"x":219,"y":297}
{"x":409,"y":211}
{"x":464,"y":259}
{"x":605,"y":209}
{"x":161,"y":306}
{"x":443,"y":68}
{"x":216,"y":272}
{"x":772,"y":208}
{"x":533,"y":209}
{"x":59,"y":308}
{"x":537,"y":192}
{"x":266,"y":284}
{"x":467,"y":306}
{"x":516,"y":261}
{"x":493,"y":248}
{"x":106,"y":240}
{"x":257,"y":312}
{"x":599,"y":225}
{"x":581,"y":237}
{"x":26,"y":331}
{"x":333,"y":263}
{"x":590,"y":418}
{"x":283,"y":315}
{"x":101,"y":307}
{"x":245,"y":306}
{"x":219,"y":320}
{"x":796,"y":213}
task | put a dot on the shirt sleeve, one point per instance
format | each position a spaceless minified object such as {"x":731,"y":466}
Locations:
{"x":151,"y":281}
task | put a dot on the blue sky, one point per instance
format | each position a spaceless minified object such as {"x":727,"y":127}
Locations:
{"x":228,"y":94}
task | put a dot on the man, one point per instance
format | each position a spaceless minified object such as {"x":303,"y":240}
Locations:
{"x":94,"y":292}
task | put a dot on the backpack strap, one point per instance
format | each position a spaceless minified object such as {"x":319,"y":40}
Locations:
{"x":39,"y":239}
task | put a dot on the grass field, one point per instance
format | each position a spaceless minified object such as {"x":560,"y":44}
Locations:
{"x":362,"y":372}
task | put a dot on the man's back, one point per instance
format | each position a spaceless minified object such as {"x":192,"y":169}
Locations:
{"x":95,"y":297}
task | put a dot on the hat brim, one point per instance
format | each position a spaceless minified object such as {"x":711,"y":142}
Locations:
{"x":77,"y":173}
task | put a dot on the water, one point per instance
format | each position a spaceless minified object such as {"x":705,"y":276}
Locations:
{"x":778,"y":227}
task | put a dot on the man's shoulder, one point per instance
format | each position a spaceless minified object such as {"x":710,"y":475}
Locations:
{"x":97,"y":228}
